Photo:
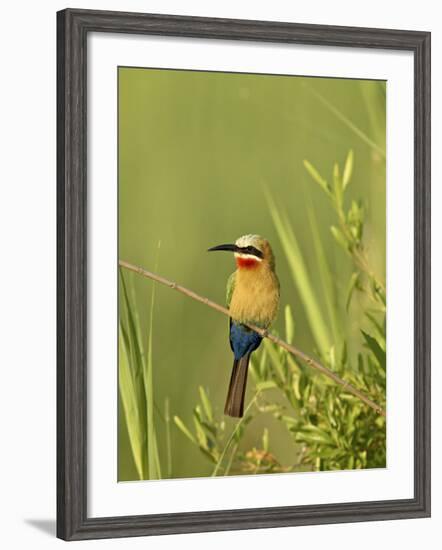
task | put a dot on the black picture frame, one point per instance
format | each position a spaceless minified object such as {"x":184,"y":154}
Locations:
{"x":73,"y":27}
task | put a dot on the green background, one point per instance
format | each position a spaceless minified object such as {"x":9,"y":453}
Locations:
{"x":196,"y":151}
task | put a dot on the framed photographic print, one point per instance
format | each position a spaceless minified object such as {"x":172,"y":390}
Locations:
{"x":243,"y":274}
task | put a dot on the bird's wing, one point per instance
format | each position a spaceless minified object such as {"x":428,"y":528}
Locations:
{"x":229,"y":292}
{"x":230,"y":288}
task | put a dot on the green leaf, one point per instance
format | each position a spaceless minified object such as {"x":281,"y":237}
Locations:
{"x":208,"y":455}
{"x":265,"y":440}
{"x":376,"y":349}
{"x":206,"y":403}
{"x":289,"y":421}
{"x":180,"y":424}
{"x":339,"y":237}
{"x":210,"y":428}
{"x":326,"y":275}
{"x":344,"y":355}
{"x":152,"y":446}
{"x":379,"y":329}
{"x":354,"y":279}
{"x":200,"y":433}
{"x":131,"y":407}
{"x":263,"y":363}
{"x":289,"y":324}
{"x":337,"y":185}
{"x":332,"y":355}
{"x":348,"y":170}
{"x":317,"y":176}
{"x":134,"y":348}
{"x":297,"y":387}
{"x":301,"y":276}
{"x":156,"y":457}
{"x":168,"y":437}
{"x":360,"y":363}
{"x":275,"y":360}
{"x":267,"y":385}
{"x":314,"y":434}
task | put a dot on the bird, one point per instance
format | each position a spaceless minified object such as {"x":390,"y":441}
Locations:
{"x":252,"y":298}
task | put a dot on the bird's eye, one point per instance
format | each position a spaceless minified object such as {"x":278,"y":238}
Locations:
{"x":252,"y":250}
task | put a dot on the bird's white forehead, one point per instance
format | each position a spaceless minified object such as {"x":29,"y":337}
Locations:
{"x":248,"y":240}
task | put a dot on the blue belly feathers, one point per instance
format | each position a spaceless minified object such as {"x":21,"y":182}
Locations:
{"x":243,"y":340}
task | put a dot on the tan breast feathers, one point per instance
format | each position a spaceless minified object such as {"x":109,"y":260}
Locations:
{"x":255,"y":297}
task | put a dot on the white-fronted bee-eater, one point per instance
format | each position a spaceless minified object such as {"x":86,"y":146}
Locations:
{"x":252,"y":297}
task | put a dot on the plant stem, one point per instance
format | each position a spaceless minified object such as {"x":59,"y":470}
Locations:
{"x":232,"y":435}
{"x":168,"y":437}
{"x":359,"y":256}
{"x":362,"y":135}
{"x":349,"y":388}
{"x":229,"y":463}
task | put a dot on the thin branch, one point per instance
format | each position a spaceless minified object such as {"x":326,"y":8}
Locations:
{"x":349,"y":388}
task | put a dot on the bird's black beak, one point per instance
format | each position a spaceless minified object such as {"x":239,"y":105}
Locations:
{"x":228,"y":247}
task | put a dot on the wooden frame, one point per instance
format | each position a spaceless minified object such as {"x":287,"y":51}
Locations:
{"x":73,"y":27}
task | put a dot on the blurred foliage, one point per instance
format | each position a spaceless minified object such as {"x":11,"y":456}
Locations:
{"x":136,"y":387}
{"x":334,"y":429}
{"x":203,"y":159}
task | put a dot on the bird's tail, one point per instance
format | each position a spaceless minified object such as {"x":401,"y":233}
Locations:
{"x":237,"y":387}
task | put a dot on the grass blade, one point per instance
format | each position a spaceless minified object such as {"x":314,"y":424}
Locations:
{"x":328,"y":287}
{"x":300,"y":276}
{"x":232,"y":435}
{"x":348,"y":170}
{"x":131,"y":409}
{"x":316,"y":176}
{"x":289,"y":324}
{"x":206,"y":403}
{"x":180,"y":424}
{"x":376,"y":349}
{"x":168,"y":437}
{"x":152,"y":447}
{"x":132,"y":331}
{"x":357,"y":131}
{"x":131,"y":377}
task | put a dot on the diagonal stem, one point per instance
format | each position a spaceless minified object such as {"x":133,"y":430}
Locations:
{"x":232,"y":435}
{"x":349,"y":388}
{"x":362,"y":135}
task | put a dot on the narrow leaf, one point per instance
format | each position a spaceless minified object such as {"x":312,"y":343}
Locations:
{"x":289,"y":324}
{"x":301,"y":276}
{"x":327,"y":280}
{"x":316,"y":176}
{"x":380,"y":332}
{"x":267,"y":385}
{"x":131,"y":407}
{"x":337,"y":186}
{"x":265,"y":440}
{"x":339,"y":237}
{"x":374,"y":346}
{"x":180,"y":424}
{"x":152,"y":448}
{"x":351,"y":287}
{"x":348,"y":170}
{"x":206,"y":403}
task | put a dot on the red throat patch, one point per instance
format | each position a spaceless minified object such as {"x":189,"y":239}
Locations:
{"x":246,"y":263}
